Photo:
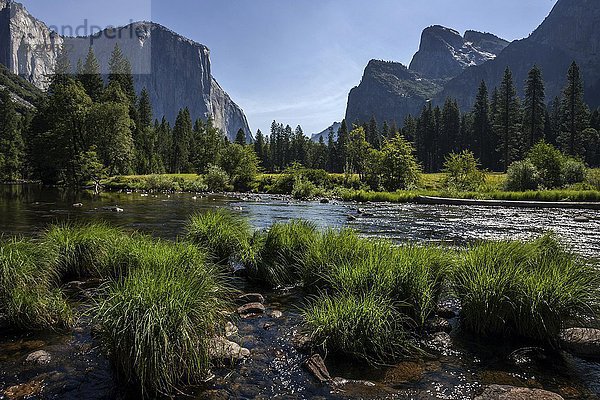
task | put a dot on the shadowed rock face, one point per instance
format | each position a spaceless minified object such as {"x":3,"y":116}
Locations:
{"x":444,"y":53}
{"x":176,"y":71}
{"x":570,"y":33}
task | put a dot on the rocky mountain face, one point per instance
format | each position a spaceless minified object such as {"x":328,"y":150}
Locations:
{"x":444,"y":53}
{"x":570,"y":33}
{"x":389,"y":91}
{"x":176,"y":71}
{"x":335,"y":127}
{"x":454,"y":66}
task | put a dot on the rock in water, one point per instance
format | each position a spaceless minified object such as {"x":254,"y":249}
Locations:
{"x":252,"y":298}
{"x":40,"y":357}
{"x":251,"y":309}
{"x":582,"y":342}
{"x":221,"y":349}
{"x":498,"y":392}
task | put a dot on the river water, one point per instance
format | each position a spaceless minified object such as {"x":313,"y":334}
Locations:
{"x":456,"y":369}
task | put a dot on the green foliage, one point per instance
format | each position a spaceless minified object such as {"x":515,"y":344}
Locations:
{"x":573,"y":171}
{"x":88,"y":167}
{"x":527,"y":289}
{"x":12,"y":151}
{"x":156,"y":324}
{"x":548,"y":160}
{"x":241,"y":164}
{"x":224,"y":235}
{"x":522,"y":176}
{"x":305,"y":190}
{"x":28,"y":295}
{"x":463,"y":172}
{"x":575,"y":114}
{"x":363,"y":326}
{"x":507,"y":121}
{"x":217,"y":179}
{"x":399,"y":168}
{"x":593,"y":179}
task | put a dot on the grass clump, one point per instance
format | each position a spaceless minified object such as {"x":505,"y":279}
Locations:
{"x":88,"y":251}
{"x":157,"y":322}
{"x":364,"y":326}
{"x":282,"y":249}
{"x":525,"y":289}
{"x":221,"y":233}
{"x":29,"y":298}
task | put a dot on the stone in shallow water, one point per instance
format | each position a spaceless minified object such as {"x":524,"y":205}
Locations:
{"x":252,"y":298}
{"x":251,"y":308}
{"x":26,"y":390}
{"x":583,"y":342}
{"x":404,"y":372}
{"x":40,"y":357}
{"x":498,"y":392}
{"x":316,"y":366}
{"x":222,"y":349}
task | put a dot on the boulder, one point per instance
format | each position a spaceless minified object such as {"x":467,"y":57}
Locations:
{"x":221,"y":349}
{"x":498,"y":392}
{"x":251,"y":309}
{"x":39,"y":357}
{"x":584,"y":342}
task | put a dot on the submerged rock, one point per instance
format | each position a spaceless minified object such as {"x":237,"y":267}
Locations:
{"x":438,"y":324}
{"x":303,"y":343}
{"x":498,"y":392}
{"x":316,"y":366}
{"x":404,"y":372}
{"x":584,"y":342}
{"x":251,"y":309}
{"x":252,"y":298}
{"x":276,"y":314}
{"x":221,"y":349}
{"x":25,"y":391}
{"x":40,"y":357}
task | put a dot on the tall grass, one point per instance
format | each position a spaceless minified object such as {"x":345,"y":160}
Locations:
{"x":157,"y":322}
{"x":525,"y":289}
{"x":364,"y":326}
{"x":29,"y":298}
{"x":90,"y":250}
{"x":221,"y":233}
{"x":282,"y":248}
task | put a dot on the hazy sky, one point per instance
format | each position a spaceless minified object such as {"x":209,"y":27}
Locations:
{"x":296,"y":60}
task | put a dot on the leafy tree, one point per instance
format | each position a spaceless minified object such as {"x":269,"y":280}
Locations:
{"x":463,"y":173}
{"x":90,"y":76}
{"x":548,"y":161}
{"x":534,"y":107}
{"x":507,"y":121}
{"x":12,"y":147}
{"x":574,"y":112}
{"x":358,"y":148}
{"x":241,"y":164}
{"x":399,"y":168}
{"x":209,"y":142}
{"x":88,"y":168}
{"x":216,"y":179}
{"x":522,"y":176}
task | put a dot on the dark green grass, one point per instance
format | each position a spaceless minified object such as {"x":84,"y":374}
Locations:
{"x":223,"y":234}
{"x":280,"y":251}
{"x":156,"y":323}
{"x":29,"y":298}
{"x":525,"y":289}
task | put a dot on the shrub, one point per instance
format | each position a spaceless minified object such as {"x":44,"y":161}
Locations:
{"x":593,"y":178}
{"x":28,"y":295}
{"x":163,"y":183}
{"x":522,"y":176}
{"x":463,"y":172}
{"x":283,"y":248}
{"x":305,"y":190}
{"x":157,"y":323}
{"x":362,"y":326}
{"x":573,"y":171}
{"x":548,"y":160}
{"x":221,"y":233}
{"x":87,"y":250}
{"x":525,"y":289}
{"x":399,"y":167}
{"x":216,"y":179}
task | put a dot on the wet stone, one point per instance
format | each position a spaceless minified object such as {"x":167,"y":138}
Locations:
{"x":498,"y":392}
{"x":252,"y":298}
{"x":276,"y":314}
{"x":230,"y":329}
{"x":438,"y":324}
{"x":25,"y":390}
{"x":221,"y":349}
{"x":251,"y":309}
{"x":582,"y":342}
{"x":39,"y":357}
{"x":302,"y":343}
{"x":404,"y":372}
{"x":316,"y":366}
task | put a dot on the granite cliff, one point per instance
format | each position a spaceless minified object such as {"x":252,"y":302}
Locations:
{"x":175,"y":70}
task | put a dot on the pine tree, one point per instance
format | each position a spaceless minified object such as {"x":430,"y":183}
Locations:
{"x":450,"y":140}
{"x":372,"y":133}
{"x":90,"y":76}
{"x":182,"y":135}
{"x":259,"y":147}
{"x":574,"y":112}
{"x":554,"y":122}
{"x":11,"y":141}
{"x":343,"y":140}
{"x":507,"y":121}
{"x":331,"y":151}
{"x":534,"y":107}
{"x":145,"y":139}
{"x":240,"y":137}
{"x":409,"y":130}
{"x":120,"y":71}
{"x":62,"y":71}
{"x":483,"y":141}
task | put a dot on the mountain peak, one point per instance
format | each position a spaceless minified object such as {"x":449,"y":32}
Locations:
{"x":444,"y":53}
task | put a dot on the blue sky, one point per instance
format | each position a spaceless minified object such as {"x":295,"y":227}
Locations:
{"x":296,"y":60}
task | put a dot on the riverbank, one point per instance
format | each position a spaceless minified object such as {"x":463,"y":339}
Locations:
{"x":336,"y":186}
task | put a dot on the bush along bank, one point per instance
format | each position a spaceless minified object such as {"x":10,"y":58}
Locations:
{"x":373,"y":300}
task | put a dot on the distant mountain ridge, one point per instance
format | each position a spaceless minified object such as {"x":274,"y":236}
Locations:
{"x":335,"y":127}
{"x":175,"y":70}
{"x":571,"y":32}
